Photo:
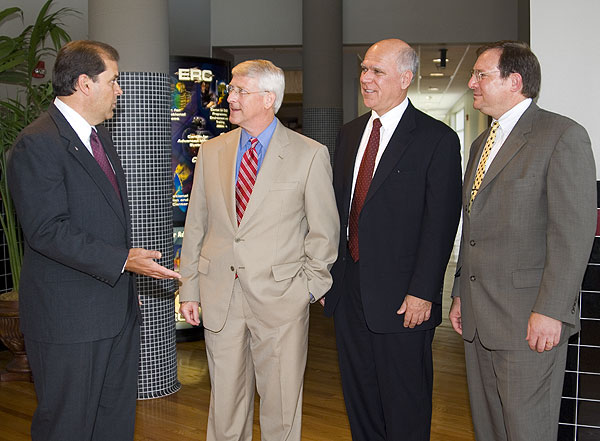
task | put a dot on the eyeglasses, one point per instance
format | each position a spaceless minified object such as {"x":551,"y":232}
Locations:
{"x":242,"y":92}
{"x":482,"y":75}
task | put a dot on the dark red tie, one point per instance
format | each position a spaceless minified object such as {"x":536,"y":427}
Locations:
{"x":102,"y":160}
{"x":363,"y":182}
{"x":246,"y":179}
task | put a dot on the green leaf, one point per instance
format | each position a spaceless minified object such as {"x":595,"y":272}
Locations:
{"x":12,"y":77}
{"x":10,"y":11}
{"x":7,"y":63}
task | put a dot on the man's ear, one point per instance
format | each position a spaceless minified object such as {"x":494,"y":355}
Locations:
{"x":406,"y":79}
{"x":516,"y":82}
{"x":83,"y":84}
{"x":269,"y":100}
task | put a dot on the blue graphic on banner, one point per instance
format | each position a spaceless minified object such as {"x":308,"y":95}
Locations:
{"x":199,"y":112}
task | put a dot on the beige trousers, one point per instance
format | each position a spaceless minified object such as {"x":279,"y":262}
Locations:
{"x":245,"y":353}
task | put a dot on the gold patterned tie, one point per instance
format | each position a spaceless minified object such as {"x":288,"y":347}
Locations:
{"x":481,"y":168}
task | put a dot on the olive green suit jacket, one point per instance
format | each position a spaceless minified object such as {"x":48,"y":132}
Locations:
{"x":526,"y":243}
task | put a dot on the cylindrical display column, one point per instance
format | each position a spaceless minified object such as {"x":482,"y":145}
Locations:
{"x":322,"y":111}
{"x":138,"y":29}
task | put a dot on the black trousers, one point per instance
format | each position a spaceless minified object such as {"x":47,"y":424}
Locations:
{"x":387,"y":379}
{"x":86,"y":391}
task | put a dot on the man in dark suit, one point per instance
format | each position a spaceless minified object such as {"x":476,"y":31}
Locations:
{"x":397,"y":180}
{"x":78,"y":306}
{"x":528,"y":225}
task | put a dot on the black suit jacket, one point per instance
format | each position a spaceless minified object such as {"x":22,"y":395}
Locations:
{"x":408,"y":222}
{"x":77,"y":234}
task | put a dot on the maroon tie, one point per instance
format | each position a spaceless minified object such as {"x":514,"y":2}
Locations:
{"x":246,"y":179}
{"x":102,"y":160}
{"x":363,"y":182}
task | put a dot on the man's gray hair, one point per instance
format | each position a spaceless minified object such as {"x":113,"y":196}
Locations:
{"x":408,"y":60}
{"x":270,"y":77}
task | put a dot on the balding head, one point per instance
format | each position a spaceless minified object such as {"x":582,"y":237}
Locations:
{"x":387,"y":71}
{"x":406,"y":56}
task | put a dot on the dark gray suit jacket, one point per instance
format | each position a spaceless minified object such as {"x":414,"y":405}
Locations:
{"x":77,"y":234}
{"x":528,"y":238}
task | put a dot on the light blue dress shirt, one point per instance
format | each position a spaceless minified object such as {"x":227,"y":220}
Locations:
{"x":261,"y":148}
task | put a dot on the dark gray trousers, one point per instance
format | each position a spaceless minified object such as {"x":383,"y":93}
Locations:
{"x":86,"y":391}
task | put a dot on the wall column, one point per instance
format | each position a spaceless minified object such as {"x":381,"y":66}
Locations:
{"x":141,"y":130}
{"x":322,"y":70}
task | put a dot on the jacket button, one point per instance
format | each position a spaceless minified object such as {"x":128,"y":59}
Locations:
{"x":232,"y":268}
{"x":472,"y":243}
{"x":472,"y":278}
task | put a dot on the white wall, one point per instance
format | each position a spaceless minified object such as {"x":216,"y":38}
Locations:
{"x":430,"y":21}
{"x":256,"y":22}
{"x":76,"y":25}
{"x":564,"y":36}
{"x":279,"y":22}
{"x":475,"y":122}
{"x":189,"y":27}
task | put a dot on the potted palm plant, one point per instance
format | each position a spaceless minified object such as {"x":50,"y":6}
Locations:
{"x":21,"y":64}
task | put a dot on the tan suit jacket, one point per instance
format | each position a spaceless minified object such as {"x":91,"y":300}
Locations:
{"x":526,"y":243}
{"x":286,"y":242}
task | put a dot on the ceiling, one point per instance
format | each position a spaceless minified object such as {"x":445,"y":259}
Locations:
{"x":435,"y":94}
{"x":436,"y":89}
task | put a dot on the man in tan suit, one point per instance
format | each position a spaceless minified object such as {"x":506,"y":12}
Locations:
{"x":260,"y":237}
{"x":529,"y":217}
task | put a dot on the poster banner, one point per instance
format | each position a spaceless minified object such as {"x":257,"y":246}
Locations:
{"x":199,"y":112}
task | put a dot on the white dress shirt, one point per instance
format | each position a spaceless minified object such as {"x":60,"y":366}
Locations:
{"x":507,"y":122}
{"x":389,"y":122}
{"x":77,"y":122}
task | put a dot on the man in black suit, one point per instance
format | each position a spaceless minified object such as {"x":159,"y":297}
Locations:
{"x":397,"y":180}
{"x":78,"y":305}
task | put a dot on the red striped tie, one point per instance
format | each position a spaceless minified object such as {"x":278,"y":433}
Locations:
{"x":246,"y":179}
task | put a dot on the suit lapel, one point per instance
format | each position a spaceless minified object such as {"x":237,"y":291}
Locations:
{"x":87,"y":161}
{"x":269,"y":170}
{"x":111,"y":152}
{"x":515,"y":141}
{"x":350,"y":159}
{"x":398,"y":144}
{"x":227,"y":161}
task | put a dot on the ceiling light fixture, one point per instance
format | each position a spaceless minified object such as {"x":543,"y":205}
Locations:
{"x":443,"y":59}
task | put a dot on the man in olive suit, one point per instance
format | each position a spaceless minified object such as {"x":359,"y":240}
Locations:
{"x":529,"y":217}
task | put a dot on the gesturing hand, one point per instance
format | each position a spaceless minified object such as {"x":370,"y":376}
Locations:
{"x":141,"y":261}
